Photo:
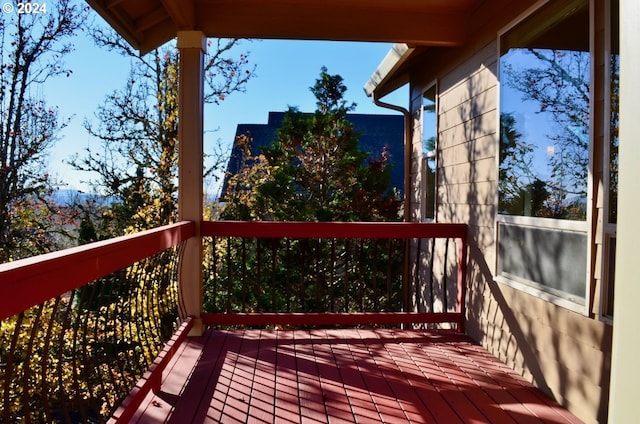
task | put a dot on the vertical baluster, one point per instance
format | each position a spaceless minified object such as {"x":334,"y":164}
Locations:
{"x":288,"y":267}
{"x":432,"y":255}
{"x":318,"y":274}
{"x":243,"y":276}
{"x":359,"y":285}
{"x":258,"y":305}
{"x":374,"y":274}
{"x":27,"y":386}
{"x":229,"y":275}
{"x":445,"y":302}
{"x":301,"y":277}
{"x":124,"y":320}
{"x":46,"y":382}
{"x":141,"y":320}
{"x":213,"y":272}
{"x":79,"y":330}
{"x":417,"y":273}
{"x":274,"y":278}
{"x":332,"y":270}
{"x":345,"y":283}
{"x":61,"y":360}
{"x":10,"y":371}
{"x":91,"y":333}
{"x":390,"y":276}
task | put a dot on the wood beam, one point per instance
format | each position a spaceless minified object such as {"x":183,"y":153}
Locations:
{"x":415,"y":22}
{"x":182,"y":12}
{"x":412,"y":22}
{"x":152,"y":20}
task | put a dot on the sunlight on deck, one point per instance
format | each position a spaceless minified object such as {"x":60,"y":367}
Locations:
{"x":343,"y":376}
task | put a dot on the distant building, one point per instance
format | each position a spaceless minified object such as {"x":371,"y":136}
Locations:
{"x":376,"y":132}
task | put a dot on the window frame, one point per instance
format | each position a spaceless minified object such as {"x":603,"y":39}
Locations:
{"x":550,"y":223}
{"x":609,"y":230}
{"x":433,"y":85}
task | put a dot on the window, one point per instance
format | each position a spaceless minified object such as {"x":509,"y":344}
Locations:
{"x":545,"y":114}
{"x":429,"y":146}
{"x":544,"y":154}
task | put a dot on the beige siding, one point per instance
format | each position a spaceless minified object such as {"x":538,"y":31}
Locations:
{"x":565,"y":353}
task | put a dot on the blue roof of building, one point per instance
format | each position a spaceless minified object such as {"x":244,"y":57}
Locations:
{"x":376,"y":132}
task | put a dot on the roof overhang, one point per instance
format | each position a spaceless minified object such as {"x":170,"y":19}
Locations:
{"x":147,"y":24}
{"x":389,"y":75}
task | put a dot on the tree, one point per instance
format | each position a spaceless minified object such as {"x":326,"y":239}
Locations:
{"x":32,"y":47}
{"x":314,"y":170}
{"x":137,"y":128}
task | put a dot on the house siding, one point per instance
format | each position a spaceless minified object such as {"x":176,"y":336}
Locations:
{"x":565,"y":353}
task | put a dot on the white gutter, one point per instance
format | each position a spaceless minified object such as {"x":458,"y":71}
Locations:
{"x":398,"y":54}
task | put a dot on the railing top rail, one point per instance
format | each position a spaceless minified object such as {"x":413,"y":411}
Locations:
{"x":31,"y":281}
{"x":273,"y":229}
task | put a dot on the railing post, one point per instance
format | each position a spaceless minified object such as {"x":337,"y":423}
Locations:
{"x":192,"y":47}
{"x":407,"y":305}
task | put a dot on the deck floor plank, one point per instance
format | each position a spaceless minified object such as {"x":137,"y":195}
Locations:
{"x":333,"y":389}
{"x":358,"y":395}
{"x":263,"y":391}
{"x":381,"y":388}
{"x":409,"y":402}
{"x":343,"y":376}
{"x":430,"y":384}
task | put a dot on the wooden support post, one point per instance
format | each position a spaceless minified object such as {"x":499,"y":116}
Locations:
{"x":192,"y":47}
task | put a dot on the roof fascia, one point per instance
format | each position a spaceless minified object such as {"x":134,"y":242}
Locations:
{"x":387,"y":78}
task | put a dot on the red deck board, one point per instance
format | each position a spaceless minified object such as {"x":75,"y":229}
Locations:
{"x":343,"y":376}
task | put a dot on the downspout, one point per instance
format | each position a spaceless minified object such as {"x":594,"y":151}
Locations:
{"x":407,"y":151}
{"x":406,"y":274}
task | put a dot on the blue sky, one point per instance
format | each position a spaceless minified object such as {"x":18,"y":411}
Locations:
{"x":285,"y":71}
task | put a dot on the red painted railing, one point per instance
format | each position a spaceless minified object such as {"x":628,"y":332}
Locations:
{"x":54,"y":306}
{"x":337,"y":273}
{"x":29,"y":282}
{"x":81,"y":326}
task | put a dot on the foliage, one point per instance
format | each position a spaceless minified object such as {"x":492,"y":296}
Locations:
{"x":74,"y":358}
{"x":314,"y":170}
{"x":137,"y":128}
{"x":32,"y":47}
{"x":304,"y":275}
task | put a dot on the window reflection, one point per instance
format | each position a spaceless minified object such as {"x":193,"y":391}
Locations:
{"x":429,"y":137}
{"x":544,"y":101}
{"x":614,"y":63}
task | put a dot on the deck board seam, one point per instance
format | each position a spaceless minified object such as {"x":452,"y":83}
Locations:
{"x":385,"y":376}
{"x":426,"y":377}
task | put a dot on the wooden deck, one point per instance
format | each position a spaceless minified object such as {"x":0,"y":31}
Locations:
{"x":342,"y":376}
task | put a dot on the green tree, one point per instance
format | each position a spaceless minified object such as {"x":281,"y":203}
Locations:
{"x":32,"y":48}
{"x":314,"y":170}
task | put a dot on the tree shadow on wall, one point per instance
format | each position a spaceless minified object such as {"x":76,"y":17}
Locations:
{"x":511,"y":329}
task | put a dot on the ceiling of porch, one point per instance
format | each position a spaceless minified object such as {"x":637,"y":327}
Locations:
{"x":147,"y":24}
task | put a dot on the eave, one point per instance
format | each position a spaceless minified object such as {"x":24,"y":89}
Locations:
{"x":147,"y":24}
{"x":389,"y":75}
